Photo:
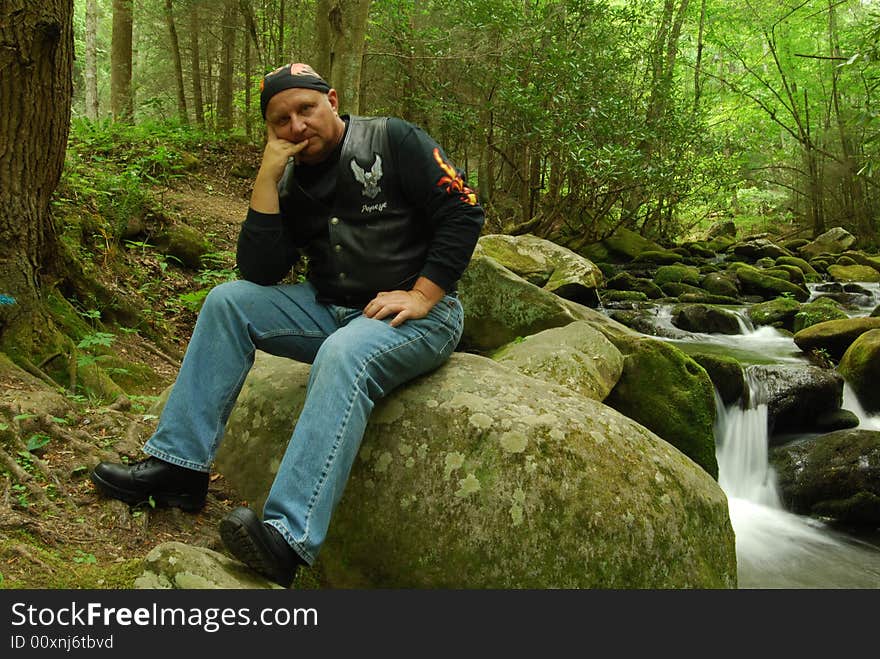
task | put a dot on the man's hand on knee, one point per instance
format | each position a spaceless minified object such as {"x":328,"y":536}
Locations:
{"x":405,"y":304}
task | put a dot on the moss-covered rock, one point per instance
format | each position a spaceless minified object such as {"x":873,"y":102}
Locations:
{"x":533,"y":267}
{"x":659,"y":257}
{"x":623,"y":246}
{"x":180,"y":566}
{"x":609,"y":297}
{"x":669,"y":393}
{"x":834,"y":336}
{"x":796,"y":396}
{"x":500,"y":306}
{"x":753,"y":281}
{"x":820,"y":310}
{"x":625,"y":281}
{"x":684,"y":274}
{"x":720,"y":284}
{"x":778,"y":313}
{"x":704,"y":318}
{"x":853,"y":273}
{"x":833,"y":241}
{"x":797,"y":262}
{"x":577,"y":356}
{"x":860,"y":367}
{"x":185,"y":244}
{"x":676,"y":289}
{"x":836,"y":475}
{"x":726,"y":374}
{"x":481,"y":477}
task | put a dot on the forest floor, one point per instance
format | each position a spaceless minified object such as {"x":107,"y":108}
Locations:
{"x":56,"y":531}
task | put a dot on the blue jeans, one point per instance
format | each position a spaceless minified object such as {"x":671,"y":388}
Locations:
{"x":355,"y":361}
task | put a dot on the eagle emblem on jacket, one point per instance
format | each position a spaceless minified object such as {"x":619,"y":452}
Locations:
{"x":368,"y":179}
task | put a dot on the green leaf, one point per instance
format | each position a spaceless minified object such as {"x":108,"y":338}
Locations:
{"x":22,"y":417}
{"x":38,"y":441}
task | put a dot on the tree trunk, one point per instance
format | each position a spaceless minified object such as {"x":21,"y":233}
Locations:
{"x":91,"y":54}
{"x":341,"y":28}
{"x":225,"y":86}
{"x":36,"y":64}
{"x":178,"y":65}
{"x":121,"y":104}
{"x":195,"y":64}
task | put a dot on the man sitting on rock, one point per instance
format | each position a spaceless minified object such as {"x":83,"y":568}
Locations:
{"x":388,"y":226}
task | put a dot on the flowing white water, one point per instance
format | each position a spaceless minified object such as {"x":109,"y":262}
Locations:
{"x":776,"y":549}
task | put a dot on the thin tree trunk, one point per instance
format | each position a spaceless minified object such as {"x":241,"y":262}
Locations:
{"x":225,"y":84}
{"x":195,"y":64}
{"x":178,"y":65}
{"x":121,"y":104}
{"x":91,"y":56}
{"x":36,"y":55}
{"x":251,"y":28}
{"x":698,"y":65}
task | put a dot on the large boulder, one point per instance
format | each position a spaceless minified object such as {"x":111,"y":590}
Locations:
{"x":577,"y":356}
{"x":860,"y":367}
{"x":500,"y":306}
{"x":562,"y":271}
{"x":835,"y":475}
{"x":820,"y":310}
{"x":797,"y":396}
{"x":623,"y":246}
{"x":705,"y":318}
{"x":853,"y":273}
{"x":778,"y":313}
{"x":669,"y":393}
{"x":477,"y":476}
{"x":755,"y":282}
{"x":834,"y":336}
{"x":833,"y":241}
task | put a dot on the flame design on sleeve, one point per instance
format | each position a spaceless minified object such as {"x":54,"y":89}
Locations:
{"x":453,"y":183}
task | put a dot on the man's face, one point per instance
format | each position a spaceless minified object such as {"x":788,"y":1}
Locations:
{"x":305,"y":114}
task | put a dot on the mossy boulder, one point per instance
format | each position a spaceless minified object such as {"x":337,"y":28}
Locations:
{"x":833,"y":241}
{"x":726,"y":374}
{"x":610,"y":297}
{"x":820,"y":310}
{"x":553,"y":267}
{"x":797,"y":262}
{"x":577,"y":356}
{"x":836,"y":475}
{"x":777,"y":313}
{"x":682,"y":274}
{"x":864,"y":259}
{"x":853,"y":273}
{"x":796,"y":396}
{"x":753,"y":281}
{"x":860,"y":367}
{"x":659,"y":257}
{"x":718,"y":283}
{"x":669,"y":393}
{"x":623,"y":246}
{"x":481,"y":477}
{"x":501,"y":306}
{"x":677,"y":289}
{"x":185,"y":244}
{"x":626,"y":281}
{"x":758,"y":248}
{"x":705,"y":318}
{"x":834,"y":336}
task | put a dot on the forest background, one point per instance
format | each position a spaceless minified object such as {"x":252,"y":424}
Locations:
{"x":571,"y":118}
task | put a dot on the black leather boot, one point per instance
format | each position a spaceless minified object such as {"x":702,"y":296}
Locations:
{"x":260,"y":546}
{"x":166,"y":483}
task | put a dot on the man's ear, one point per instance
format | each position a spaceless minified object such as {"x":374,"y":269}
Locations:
{"x":333,"y":99}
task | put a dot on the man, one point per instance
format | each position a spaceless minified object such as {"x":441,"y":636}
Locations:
{"x":388,"y":226}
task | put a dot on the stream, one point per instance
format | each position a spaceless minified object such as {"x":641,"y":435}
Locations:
{"x":775,"y":548}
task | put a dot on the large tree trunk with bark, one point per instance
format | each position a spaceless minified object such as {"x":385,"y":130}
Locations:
{"x":121,"y":103}
{"x":341,"y":28}
{"x":36,"y":61}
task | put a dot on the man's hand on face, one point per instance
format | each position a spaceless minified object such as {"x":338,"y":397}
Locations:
{"x":276,"y":154}
{"x":405,"y":304}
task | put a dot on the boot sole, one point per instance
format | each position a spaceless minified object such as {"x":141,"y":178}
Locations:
{"x":190,"y":503}
{"x":247,"y":548}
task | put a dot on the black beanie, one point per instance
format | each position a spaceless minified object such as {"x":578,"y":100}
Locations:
{"x":287,"y":77}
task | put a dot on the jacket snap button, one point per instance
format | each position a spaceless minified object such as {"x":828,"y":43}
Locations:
{"x":334,"y":220}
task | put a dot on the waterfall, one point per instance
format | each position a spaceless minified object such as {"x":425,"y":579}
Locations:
{"x":775,"y":548}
